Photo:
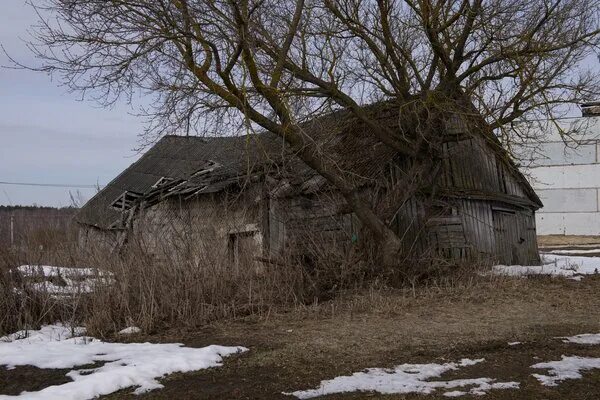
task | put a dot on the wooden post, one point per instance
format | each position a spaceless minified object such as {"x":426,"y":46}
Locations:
{"x":12,"y":230}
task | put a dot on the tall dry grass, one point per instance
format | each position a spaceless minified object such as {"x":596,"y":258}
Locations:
{"x":20,"y":306}
{"x":144,"y":291}
{"x":167,"y":286}
{"x":148,"y":287}
{"x":173,"y":291}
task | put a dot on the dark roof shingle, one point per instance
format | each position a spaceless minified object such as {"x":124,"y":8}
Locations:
{"x":179,"y":157}
{"x":339,"y":136}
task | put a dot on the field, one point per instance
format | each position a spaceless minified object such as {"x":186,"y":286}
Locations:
{"x":568,"y":241}
{"x":296,"y":350}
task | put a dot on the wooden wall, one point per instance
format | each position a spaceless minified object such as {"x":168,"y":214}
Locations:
{"x":208,"y":224}
{"x":485,"y":215}
{"x":306,"y":223}
{"x":474,"y":217}
{"x":466,"y":229}
{"x":470,"y":164}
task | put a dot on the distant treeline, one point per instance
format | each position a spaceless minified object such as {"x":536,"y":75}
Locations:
{"x":14,"y":208}
{"x":21,"y":223}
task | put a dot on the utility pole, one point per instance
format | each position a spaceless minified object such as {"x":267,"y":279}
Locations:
{"x":12,"y":230}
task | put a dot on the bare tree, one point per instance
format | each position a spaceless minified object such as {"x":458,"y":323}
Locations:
{"x":277,"y":63}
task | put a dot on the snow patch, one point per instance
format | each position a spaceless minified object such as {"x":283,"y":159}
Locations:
{"x":586,"y":338}
{"x":514,"y":343}
{"x":48,"y":333}
{"x":567,"y":368}
{"x":63,"y":281}
{"x":568,"y":252}
{"x":554,"y":265}
{"x":121,"y":365}
{"x":455,"y":393}
{"x":130,"y":330}
{"x":407,"y":378}
{"x":52,"y":271}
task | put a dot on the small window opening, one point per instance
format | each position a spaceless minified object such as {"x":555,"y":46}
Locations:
{"x":244,"y":245}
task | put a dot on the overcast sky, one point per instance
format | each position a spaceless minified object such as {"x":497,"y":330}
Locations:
{"x":47,"y":135}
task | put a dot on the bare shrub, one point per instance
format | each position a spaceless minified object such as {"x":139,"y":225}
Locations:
{"x":158,"y":293}
{"x":8,"y":307}
{"x":179,"y":268}
{"x":172,"y":291}
{"x":22,"y":307}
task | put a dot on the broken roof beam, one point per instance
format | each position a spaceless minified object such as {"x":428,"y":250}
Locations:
{"x":163,"y":181}
{"x":125,"y":201}
{"x":210,"y":167}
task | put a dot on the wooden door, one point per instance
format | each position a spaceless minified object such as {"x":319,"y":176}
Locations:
{"x":507,"y":236}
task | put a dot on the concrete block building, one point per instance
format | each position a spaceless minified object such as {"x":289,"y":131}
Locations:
{"x":566,"y":176}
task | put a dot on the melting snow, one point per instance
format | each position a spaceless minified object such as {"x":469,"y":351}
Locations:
{"x":455,"y":393}
{"x":130,"y":330}
{"x":555,"y":265}
{"x":44,"y":278}
{"x":407,"y":378}
{"x":586,"y":338}
{"x":48,"y":333}
{"x":567,"y":368}
{"x":121,"y":365}
{"x":51,"y":271}
{"x":582,"y":251}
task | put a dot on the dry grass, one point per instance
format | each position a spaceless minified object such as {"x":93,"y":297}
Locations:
{"x":150,"y":293}
{"x":159,"y":288}
{"x":377,"y":328}
{"x":383,"y":328}
{"x":296,"y":338}
{"x":567,"y":240}
{"x":301,"y":324}
{"x":171,"y":289}
{"x":155,"y":288}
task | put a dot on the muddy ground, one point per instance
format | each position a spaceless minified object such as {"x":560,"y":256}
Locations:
{"x":297,"y":350}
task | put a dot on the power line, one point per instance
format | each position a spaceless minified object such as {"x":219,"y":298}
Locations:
{"x":56,"y":185}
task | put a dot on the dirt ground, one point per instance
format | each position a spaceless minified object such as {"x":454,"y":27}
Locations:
{"x":295,"y":351}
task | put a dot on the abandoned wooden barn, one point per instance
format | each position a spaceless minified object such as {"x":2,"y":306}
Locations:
{"x":250,"y":195}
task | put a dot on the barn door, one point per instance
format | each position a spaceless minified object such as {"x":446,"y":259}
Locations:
{"x":507,"y":236}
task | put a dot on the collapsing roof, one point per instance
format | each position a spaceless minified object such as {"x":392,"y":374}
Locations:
{"x":187,"y":166}
{"x":182,"y":166}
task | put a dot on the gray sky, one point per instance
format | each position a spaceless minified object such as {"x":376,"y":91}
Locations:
{"x":48,"y":135}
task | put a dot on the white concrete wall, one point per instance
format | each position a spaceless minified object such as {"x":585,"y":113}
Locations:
{"x":567,"y":179}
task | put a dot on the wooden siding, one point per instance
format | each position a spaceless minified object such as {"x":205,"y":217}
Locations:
{"x":476,"y":217}
{"x":408,"y":224}
{"x":514,"y":231}
{"x":467,"y":224}
{"x":481,"y":211}
{"x":300,"y":222}
{"x":468,"y":164}
{"x":470,"y":229}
